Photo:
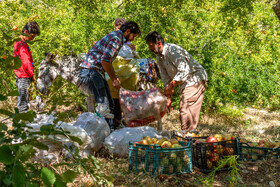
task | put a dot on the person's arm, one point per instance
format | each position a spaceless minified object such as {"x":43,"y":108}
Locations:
{"x":107,"y":66}
{"x":112,"y":48}
{"x":165,"y":79}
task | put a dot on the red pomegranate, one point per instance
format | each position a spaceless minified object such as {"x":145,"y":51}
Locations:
{"x":211,"y":139}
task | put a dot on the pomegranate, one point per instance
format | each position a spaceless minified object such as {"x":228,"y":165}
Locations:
{"x":211,"y":139}
{"x":209,"y":164}
{"x":214,"y":157}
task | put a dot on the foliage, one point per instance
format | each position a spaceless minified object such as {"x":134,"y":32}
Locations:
{"x":19,"y":145}
{"x":236,"y":41}
{"x":234,"y":175}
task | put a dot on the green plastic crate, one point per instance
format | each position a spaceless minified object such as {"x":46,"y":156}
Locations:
{"x":178,"y":137}
{"x":205,"y":155}
{"x":254,"y":153}
{"x":157,"y":160}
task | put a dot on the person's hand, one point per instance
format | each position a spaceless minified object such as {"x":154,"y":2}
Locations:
{"x":168,"y":104}
{"x":117,"y":83}
{"x":132,"y":46}
{"x":169,"y":91}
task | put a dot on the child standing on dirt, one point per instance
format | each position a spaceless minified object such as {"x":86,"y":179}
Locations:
{"x":25,"y":74}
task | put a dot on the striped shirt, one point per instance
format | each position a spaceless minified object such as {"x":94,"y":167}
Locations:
{"x":105,"y":49}
{"x":22,"y":50}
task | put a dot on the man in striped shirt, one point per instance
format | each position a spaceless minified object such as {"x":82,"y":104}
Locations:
{"x":99,"y":60}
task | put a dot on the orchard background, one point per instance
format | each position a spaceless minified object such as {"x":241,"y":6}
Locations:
{"x":237,"y":42}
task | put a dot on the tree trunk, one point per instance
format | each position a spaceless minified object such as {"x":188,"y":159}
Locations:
{"x":276,"y":8}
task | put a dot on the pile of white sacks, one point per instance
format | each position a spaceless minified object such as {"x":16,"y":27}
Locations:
{"x":94,"y":132}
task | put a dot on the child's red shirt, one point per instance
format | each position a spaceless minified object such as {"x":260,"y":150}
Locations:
{"x":22,"y":50}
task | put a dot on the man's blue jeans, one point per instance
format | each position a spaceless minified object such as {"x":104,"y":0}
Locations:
{"x":99,"y":88}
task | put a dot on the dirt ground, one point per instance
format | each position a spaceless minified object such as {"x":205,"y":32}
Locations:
{"x":261,"y":173}
{"x":252,"y":124}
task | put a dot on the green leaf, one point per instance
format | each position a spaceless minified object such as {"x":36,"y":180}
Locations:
{"x":18,"y":175}
{"x":25,"y":152}
{"x":17,"y":62}
{"x":6,"y":36}
{"x":6,"y":155}
{"x":109,"y":178}
{"x":59,"y":183}
{"x":28,"y":116}
{"x":2,"y":97}
{"x":94,"y":162}
{"x":69,"y":176}
{"x":13,"y":93}
{"x":23,"y":136}
{"x":61,"y":116}
{"x":6,"y":112}
{"x":47,"y":129}
{"x":9,"y":61}
{"x":13,"y":41}
{"x":7,"y":181}
{"x":3,"y":127}
{"x":76,"y":139}
{"x":34,"y":41}
{"x":228,"y":178}
{"x":47,"y":176}
{"x":36,"y":144}
{"x":12,"y":62}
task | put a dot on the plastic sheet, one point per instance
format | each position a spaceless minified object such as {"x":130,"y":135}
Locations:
{"x":142,"y":107}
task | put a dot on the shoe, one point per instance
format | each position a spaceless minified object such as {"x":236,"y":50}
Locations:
{"x":112,"y":130}
{"x":121,"y":126}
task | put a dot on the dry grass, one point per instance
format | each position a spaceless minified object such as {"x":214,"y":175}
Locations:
{"x":250,"y":123}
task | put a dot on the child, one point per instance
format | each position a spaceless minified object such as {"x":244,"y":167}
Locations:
{"x":25,"y":74}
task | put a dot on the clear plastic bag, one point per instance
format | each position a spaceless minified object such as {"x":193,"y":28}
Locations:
{"x":142,"y":107}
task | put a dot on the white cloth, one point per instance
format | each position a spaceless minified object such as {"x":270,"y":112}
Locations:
{"x":127,"y":53}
